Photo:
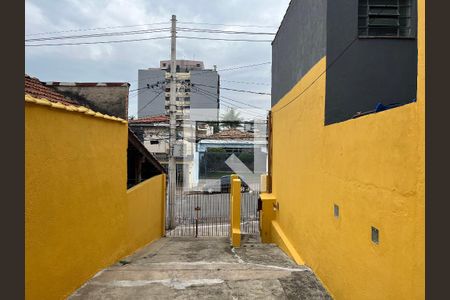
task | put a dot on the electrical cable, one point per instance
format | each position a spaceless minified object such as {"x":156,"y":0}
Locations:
{"x":226,"y":103}
{"x":230,"y":25}
{"x":246,"y":82}
{"x":250,"y":105}
{"x":93,"y":29}
{"x":207,"y":30}
{"x":99,"y":42}
{"x":145,"y":39}
{"x":153,"y":99}
{"x":149,"y":24}
{"x":95,"y":35}
{"x":236,"y":68}
{"x":235,"y":90}
{"x":226,"y":40}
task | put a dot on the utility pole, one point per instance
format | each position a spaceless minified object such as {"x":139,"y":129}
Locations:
{"x":172,"y":123}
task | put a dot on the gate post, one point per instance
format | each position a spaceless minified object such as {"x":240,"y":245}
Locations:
{"x":235,"y":211}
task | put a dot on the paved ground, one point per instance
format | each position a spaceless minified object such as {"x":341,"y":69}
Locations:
{"x":204,"y":268}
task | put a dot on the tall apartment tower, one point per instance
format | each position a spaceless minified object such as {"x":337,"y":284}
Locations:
{"x":197,"y":91}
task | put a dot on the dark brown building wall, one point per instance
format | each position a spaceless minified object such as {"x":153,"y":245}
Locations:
{"x":108,"y":99}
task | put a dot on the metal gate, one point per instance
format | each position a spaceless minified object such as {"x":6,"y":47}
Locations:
{"x":208,"y":214}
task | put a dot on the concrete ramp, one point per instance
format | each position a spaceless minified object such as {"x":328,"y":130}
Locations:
{"x":204,"y":268}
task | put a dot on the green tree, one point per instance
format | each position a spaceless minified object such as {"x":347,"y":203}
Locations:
{"x":232,"y":119}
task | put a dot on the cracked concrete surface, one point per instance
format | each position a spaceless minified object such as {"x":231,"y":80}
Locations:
{"x":204,"y":268}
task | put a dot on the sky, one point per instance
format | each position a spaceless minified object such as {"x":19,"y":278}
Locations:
{"x":120,"y":62}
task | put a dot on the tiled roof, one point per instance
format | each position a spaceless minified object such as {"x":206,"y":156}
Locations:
{"x":230,"y":134}
{"x":34,"y":87}
{"x":152,"y":119}
{"x":36,"y":92}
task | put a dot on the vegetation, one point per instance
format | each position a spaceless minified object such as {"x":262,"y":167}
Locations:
{"x":232,"y":119}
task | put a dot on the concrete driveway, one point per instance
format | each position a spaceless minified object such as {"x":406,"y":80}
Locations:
{"x":204,"y":268}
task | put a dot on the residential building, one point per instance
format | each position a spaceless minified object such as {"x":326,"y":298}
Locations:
{"x":154,"y":132}
{"x":345,"y":187}
{"x":214,"y":150}
{"x":197,"y":91}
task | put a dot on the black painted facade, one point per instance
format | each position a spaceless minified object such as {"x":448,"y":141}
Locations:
{"x":361,"y":72}
{"x":299,"y":44}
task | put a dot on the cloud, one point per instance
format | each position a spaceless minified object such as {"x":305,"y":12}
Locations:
{"x":120,"y":62}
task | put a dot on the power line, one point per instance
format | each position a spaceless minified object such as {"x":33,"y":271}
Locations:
{"x":144,"y":31}
{"x":145,"y":39}
{"x":224,"y":103}
{"x":95,"y":35}
{"x":141,"y":92}
{"x":99,"y":42}
{"x":223,"y":99}
{"x":204,"y":91}
{"x":92,"y":29}
{"x":206,"y":94}
{"x":220,"y":39}
{"x":148,"y":86}
{"x":153,"y":99}
{"x":246,"y":82}
{"x":219,"y":70}
{"x":235,"y":90}
{"x":204,"y":72}
{"x":250,"y":105}
{"x":231,"y":25}
{"x":138,"y":89}
{"x":214,"y":99}
{"x":149,"y":24}
{"x":206,"y":30}
{"x":240,"y":67}
{"x":149,"y":77}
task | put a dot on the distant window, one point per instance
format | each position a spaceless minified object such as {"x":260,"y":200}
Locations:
{"x":385,"y":18}
{"x":154,"y":142}
{"x":198,"y":65}
{"x":164,"y":64}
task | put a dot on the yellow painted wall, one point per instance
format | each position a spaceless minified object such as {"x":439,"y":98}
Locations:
{"x":77,"y":209}
{"x":146,"y":218}
{"x":373,"y":168}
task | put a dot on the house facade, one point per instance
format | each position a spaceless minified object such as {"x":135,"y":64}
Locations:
{"x":153,"y":132}
{"x":345,"y":189}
